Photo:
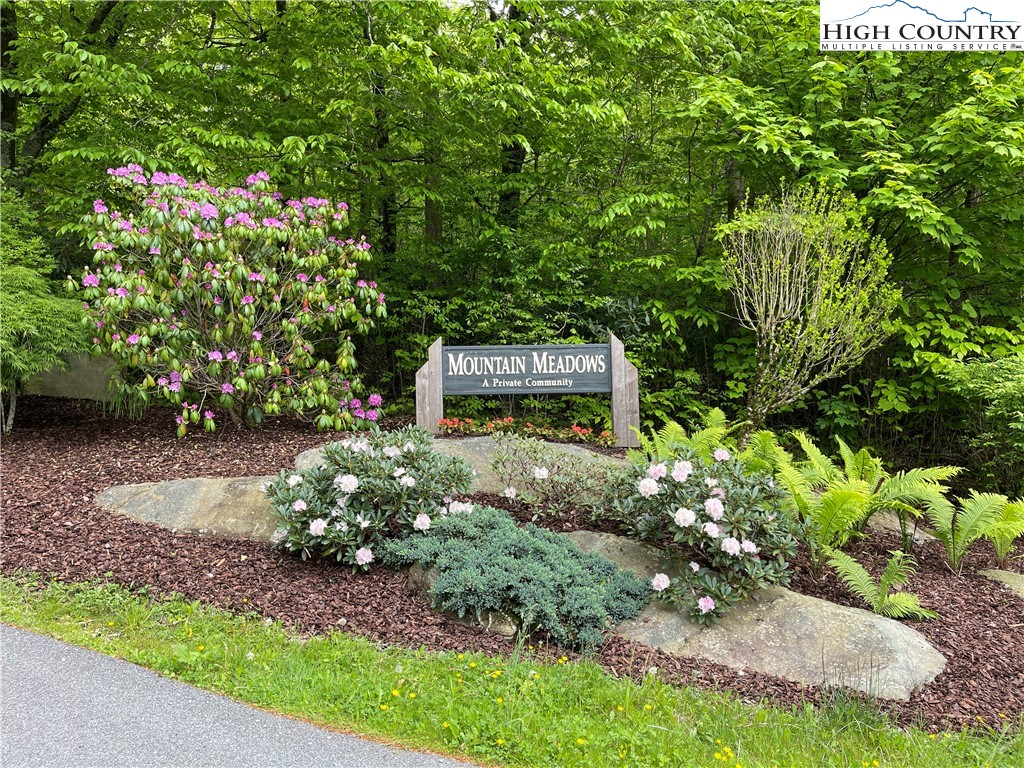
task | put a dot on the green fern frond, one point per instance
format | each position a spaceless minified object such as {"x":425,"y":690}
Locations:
{"x":1007,"y":529}
{"x":836,"y":513}
{"x":763,"y":452}
{"x":819,"y":469}
{"x":969,"y":523}
{"x":897,"y":572}
{"x":854,"y":575}
{"x":903,"y":605}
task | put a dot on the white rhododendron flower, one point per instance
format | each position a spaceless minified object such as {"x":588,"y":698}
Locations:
{"x":722,"y":455}
{"x":392,"y":451}
{"x":318,"y":526}
{"x":540,"y":473}
{"x":684,"y":517}
{"x":364,"y":556}
{"x":460,"y":507}
{"x":712,"y":530}
{"x":749,"y":547}
{"x":657,"y":470}
{"x":710,"y":482}
{"x":407,"y":480}
{"x":681,"y":471}
{"x":647,"y":487}
{"x":714,"y":508}
{"x":706,"y":604}
{"x":278,"y":536}
{"x":509,"y":493}
{"x":422,"y":522}
{"x":294,"y":480}
{"x":695,"y":567}
{"x":346,"y":483}
{"x":299,"y":505}
{"x":731,"y":546}
{"x":660,"y":582}
{"x":398,"y":472}
{"x":362,"y":522}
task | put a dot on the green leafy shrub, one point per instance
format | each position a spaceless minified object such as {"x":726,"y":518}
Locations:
{"x":485,"y":562}
{"x":723,"y":527}
{"x":38,"y":329}
{"x":880,"y":597}
{"x":552,"y":480}
{"x":995,"y":390}
{"x":232,"y":299}
{"x":366,"y":488}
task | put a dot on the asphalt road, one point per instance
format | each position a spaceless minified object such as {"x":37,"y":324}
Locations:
{"x":61,"y":705}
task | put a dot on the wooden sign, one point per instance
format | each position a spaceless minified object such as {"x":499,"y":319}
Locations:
{"x":530,"y":369}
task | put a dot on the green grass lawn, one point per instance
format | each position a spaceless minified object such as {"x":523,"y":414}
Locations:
{"x":514,"y":711}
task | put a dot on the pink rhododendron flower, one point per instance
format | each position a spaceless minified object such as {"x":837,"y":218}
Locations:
{"x":660,"y":582}
{"x":91,"y":280}
{"x":719,"y":492}
{"x":102,"y":247}
{"x":133,"y":339}
{"x":214,"y":355}
{"x":227,"y":388}
{"x":749,"y":547}
{"x":421,"y":523}
{"x":209,"y":415}
{"x":318,"y":526}
{"x":232,"y":356}
{"x":706,"y":604}
{"x":257,"y":335}
{"x":374,"y":400}
{"x":299,"y":505}
{"x":712,"y":530}
{"x":98,"y":206}
{"x":722,"y":455}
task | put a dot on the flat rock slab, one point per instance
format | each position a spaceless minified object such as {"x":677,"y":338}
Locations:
{"x":478,"y":452}
{"x":782,"y":633}
{"x":234,"y":507}
{"x":1015,"y":581}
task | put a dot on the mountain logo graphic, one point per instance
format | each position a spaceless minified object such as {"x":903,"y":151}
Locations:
{"x":903,"y":5}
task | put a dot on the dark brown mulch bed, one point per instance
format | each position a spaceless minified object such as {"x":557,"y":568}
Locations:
{"x":63,"y":453}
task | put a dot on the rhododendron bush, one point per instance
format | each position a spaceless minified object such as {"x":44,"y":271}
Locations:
{"x":722,"y":528}
{"x":230,"y":301}
{"x":365,"y":490}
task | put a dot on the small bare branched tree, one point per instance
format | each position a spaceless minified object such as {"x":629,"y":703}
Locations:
{"x":810,"y":282}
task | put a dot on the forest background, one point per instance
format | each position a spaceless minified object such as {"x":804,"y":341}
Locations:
{"x":553,"y":172}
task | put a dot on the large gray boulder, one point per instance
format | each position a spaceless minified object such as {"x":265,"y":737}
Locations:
{"x":782,"y":633}
{"x":233,"y":507}
{"x":478,"y":452}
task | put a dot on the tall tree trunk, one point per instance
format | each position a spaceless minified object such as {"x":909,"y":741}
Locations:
{"x":387,"y":206}
{"x":433,"y":215}
{"x":8,"y":99}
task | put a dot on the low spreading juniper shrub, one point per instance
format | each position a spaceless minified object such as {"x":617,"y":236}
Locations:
{"x":485,"y":562}
{"x":365,"y":490}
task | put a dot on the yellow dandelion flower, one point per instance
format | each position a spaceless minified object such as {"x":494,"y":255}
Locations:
{"x":412,"y":695}
{"x":472,"y":663}
{"x":500,"y":742}
{"x":497,"y":673}
{"x":110,"y":623}
{"x":648,"y":707}
{"x":500,"y":700}
{"x":563,"y":660}
{"x":201,"y":647}
{"x":459,"y":656}
{"x":581,"y":741}
{"x":444,"y":724}
{"x":383,"y":706}
{"x":718,"y":742}
{"x":619,"y":708}
{"x":718,"y":756}
{"x":394,"y":692}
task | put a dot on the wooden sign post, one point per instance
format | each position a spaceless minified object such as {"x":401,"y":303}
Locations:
{"x":530,"y":370}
